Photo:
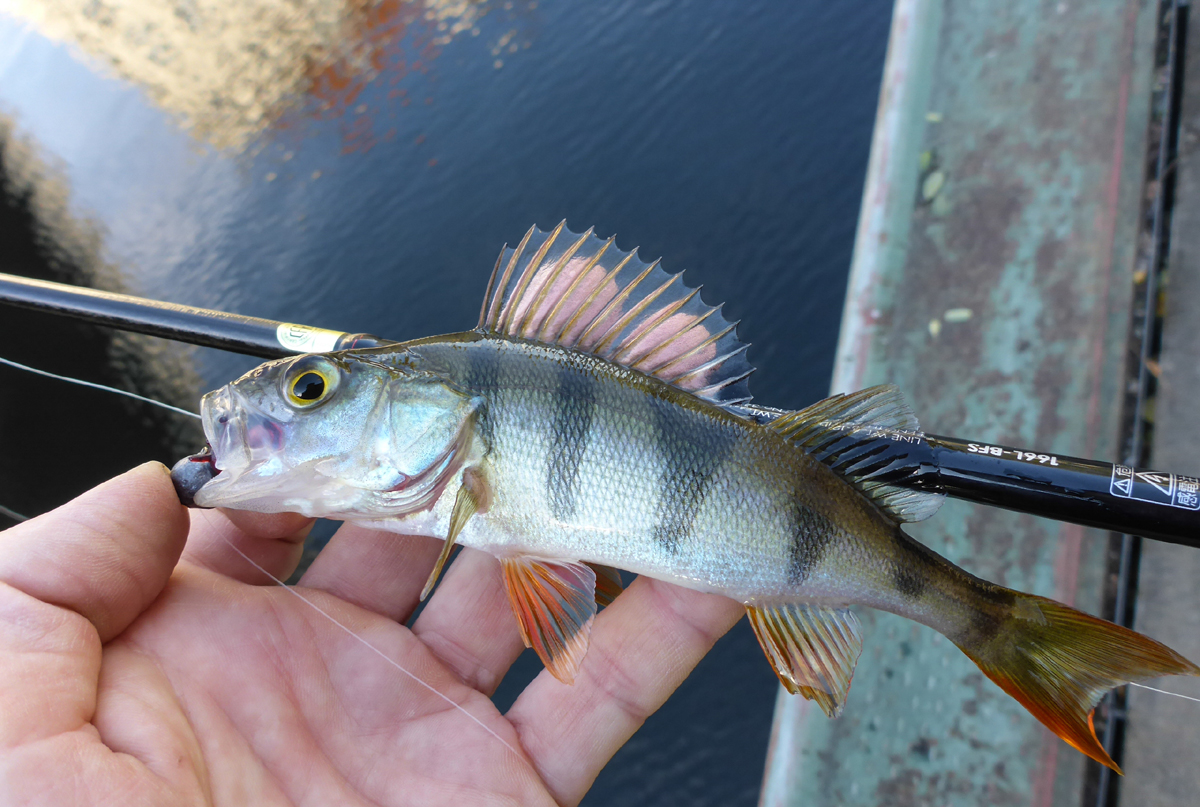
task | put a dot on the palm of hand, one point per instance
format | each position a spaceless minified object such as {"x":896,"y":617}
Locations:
{"x":130,"y":679}
{"x":267,"y":701}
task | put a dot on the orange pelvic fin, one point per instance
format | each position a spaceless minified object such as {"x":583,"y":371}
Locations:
{"x":812,"y":649}
{"x":608,"y":584}
{"x":1058,"y":663}
{"x":555,"y":604}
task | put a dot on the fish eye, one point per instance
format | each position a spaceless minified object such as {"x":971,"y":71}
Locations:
{"x":309,"y":381}
{"x":308,"y":387}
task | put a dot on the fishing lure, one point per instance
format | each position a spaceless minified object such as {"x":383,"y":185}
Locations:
{"x":597,"y":418}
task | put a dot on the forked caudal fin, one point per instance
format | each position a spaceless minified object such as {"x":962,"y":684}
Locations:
{"x":1058,"y":662}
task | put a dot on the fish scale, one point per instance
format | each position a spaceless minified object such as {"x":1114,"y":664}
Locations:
{"x":593,"y":420}
{"x":622,"y":507}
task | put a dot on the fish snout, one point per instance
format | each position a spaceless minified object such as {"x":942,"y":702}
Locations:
{"x":225,"y":427}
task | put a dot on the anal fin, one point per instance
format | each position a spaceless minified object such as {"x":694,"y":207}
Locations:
{"x":554,"y":602}
{"x":812,"y":649}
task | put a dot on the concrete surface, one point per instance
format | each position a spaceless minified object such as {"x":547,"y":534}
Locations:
{"x":992,"y":280}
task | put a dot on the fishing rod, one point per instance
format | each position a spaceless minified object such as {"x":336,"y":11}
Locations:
{"x":251,"y":336}
{"x":1153,"y":504}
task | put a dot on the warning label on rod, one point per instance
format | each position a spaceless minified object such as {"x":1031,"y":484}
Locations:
{"x":1155,"y":487}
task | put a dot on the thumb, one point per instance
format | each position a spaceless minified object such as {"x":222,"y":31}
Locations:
{"x":105,"y":555}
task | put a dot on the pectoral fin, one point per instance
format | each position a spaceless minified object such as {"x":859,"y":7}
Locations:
{"x":813,"y":650}
{"x":608,"y":584}
{"x":554,"y":602}
{"x":472,"y":498}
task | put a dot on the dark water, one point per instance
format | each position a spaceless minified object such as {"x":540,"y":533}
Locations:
{"x":729,"y":138}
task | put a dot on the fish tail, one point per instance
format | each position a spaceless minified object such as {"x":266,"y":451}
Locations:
{"x":1058,"y":662}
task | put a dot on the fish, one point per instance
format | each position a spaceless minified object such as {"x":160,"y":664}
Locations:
{"x":598,"y":418}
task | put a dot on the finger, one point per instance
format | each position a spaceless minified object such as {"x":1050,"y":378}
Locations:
{"x":70,"y":580}
{"x":380,"y":571}
{"x":469,"y":623}
{"x":274,"y":541}
{"x":642,"y":647}
{"x":49,"y":661}
{"x":105,"y":555}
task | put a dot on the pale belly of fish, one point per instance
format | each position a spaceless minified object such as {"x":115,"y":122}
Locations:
{"x":594,"y":419}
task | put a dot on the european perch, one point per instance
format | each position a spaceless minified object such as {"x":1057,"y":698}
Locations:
{"x":595,"y":419}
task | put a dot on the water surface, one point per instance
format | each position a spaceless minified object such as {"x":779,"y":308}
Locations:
{"x":730,"y":139}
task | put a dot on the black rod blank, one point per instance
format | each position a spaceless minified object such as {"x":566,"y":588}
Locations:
{"x":1154,"y":504}
{"x":1159,"y":505}
{"x":198,"y":326}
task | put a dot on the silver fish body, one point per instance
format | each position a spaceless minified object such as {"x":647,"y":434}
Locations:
{"x":592,"y":420}
{"x":589,"y":461}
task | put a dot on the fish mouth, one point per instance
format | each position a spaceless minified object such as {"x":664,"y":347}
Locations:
{"x":239,"y":438}
{"x":223,"y":414}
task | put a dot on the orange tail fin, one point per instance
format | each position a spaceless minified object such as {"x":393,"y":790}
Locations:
{"x":1058,"y":663}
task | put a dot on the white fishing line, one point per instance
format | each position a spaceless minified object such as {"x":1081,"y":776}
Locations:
{"x":13,"y":514}
{"x":1163,"y":691}
{"x":94,"y":385}
{"x":372,"y":648}
{"x":17,"y":516}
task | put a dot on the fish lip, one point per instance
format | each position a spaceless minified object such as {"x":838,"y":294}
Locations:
{"x":234,"y":427}
{"x":244,"y":439}
{"x":216,"y":412}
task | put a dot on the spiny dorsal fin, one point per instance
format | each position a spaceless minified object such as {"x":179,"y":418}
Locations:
{"x":812,"y":649}
{"x":845,"y":432}
{"x":580,"y":292}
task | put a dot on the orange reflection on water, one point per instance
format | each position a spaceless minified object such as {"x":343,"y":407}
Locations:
{"x":388,"y":37}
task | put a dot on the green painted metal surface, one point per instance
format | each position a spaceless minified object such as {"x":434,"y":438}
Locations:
{"x":1162,"y":740}
{"x":992,"y":282}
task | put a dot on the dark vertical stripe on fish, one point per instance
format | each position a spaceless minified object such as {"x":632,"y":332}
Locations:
{"x":688,"y":465}
{"x":483,"y":377}
{"x":811,"y":534}
{"x":574,"y":407}
{"x":908,"y":580}
{"x":915,"y":567}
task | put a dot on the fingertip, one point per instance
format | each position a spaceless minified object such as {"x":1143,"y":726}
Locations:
{"x":148,"y":494}
{"x":105,"y":554}
{"x":141,"y":502}
{"x":222,"y":541}
{"x":289,"y":527}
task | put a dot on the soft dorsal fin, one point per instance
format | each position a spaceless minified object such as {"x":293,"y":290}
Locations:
{"x":865,"y":437}
{"x":580,"y":292}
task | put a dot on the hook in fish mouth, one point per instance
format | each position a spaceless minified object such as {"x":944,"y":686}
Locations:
{"x":192,"y":473}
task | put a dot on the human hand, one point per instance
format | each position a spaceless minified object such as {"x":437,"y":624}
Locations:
{"x":141,"y":664}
